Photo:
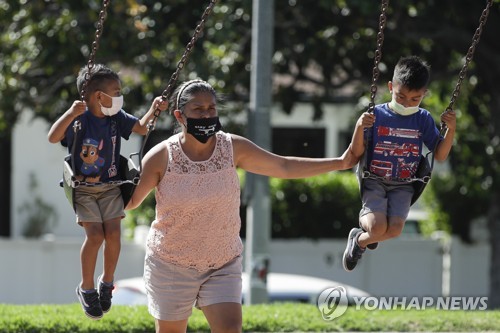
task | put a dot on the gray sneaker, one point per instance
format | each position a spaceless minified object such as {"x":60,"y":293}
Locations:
{"x":105,"y":294}
{"x":90,"y":303}
{"x":353,"y":251}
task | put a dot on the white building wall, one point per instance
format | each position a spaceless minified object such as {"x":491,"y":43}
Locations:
{"x":47,"y":271}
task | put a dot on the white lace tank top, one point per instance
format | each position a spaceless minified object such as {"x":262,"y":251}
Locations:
{"x":197,"y":222}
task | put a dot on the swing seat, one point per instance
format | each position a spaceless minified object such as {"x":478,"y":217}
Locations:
{"x":420,"y":181}
{"x":69,"y":181}
{"x":423,"y":176}
{"x":128,"y":171}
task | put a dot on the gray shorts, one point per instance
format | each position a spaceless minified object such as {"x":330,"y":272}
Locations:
{"x":391,"y":200}
{"x":173,"y":290}
{"x":98,"y":204}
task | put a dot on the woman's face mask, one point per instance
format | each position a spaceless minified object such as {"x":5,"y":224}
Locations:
{"x":116,"y":105}
{"x":203,"y":128}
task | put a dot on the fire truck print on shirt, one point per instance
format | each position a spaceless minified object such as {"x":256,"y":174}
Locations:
{"x":396,"y":143}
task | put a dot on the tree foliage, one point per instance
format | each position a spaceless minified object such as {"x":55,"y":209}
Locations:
{"x":323,"y":53}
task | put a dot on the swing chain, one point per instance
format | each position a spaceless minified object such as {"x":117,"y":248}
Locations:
{"x":378,"y":54}
{"x":182,"y":62}
{"x":469,"y":56}
{"x":173,"y":79}
{"x":95,"y":46}
{"x":368,"y":174}
{"x":78,"y":183}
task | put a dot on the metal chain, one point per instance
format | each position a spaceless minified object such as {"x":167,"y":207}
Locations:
{"x":77,"y":183}
{"x":187,"y":52}
{"x":378,"y":54}
{"x":470,"y":54}
{"x":375,"y":74}
{"x":165,"y":96}
{"x":95,"y":46}
{"x":368,"y":174}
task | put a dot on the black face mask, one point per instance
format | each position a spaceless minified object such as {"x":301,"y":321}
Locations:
{"x":203,"y":128}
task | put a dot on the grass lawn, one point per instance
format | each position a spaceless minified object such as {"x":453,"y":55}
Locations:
{"x":285,"y":317}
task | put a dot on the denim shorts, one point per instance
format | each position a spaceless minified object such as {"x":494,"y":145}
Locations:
{"x":391,"y":200}
{"x":173,"y":290}
{"x":98,"y":204}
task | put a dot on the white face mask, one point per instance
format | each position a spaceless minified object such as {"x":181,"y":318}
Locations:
{"x":116,"y":106}
{"x":402,"y":110}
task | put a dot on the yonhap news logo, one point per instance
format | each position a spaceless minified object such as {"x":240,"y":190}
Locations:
{"x":333,"y":303}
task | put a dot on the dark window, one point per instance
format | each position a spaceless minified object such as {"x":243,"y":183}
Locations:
{"x":299,"y":141}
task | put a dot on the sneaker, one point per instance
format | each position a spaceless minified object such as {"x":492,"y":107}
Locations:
{"x":353,"y":251}
{"x":90,"y":303}
{"x":105,"y":294}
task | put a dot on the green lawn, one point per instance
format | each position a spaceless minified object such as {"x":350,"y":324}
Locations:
{"x":285,"y":317}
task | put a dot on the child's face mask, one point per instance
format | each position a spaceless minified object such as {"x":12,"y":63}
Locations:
{"x":401,"y":109}
{"x":116,"y":105}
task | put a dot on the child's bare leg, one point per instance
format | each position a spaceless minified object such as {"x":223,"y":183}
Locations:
{"x":375,"y":226}
{"x":112,"y":247}
{"x":378,"y":229}
{"x":396,"y":225}
{"x":89,"y":251}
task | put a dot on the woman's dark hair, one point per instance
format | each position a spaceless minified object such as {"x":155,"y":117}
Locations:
{"x":184,"y":93}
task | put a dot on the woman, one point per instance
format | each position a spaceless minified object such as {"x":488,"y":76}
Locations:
{"x":193,"y":254}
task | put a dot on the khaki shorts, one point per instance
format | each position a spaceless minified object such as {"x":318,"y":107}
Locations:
{"x":173,"y":290}
{"x":98,"y":204}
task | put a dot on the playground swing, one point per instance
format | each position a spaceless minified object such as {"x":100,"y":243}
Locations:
{"x":426,"y":163}
{"x":129,"y":172}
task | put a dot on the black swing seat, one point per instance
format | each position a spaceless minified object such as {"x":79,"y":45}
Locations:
{"x":129,"y":178}
{"x":419,"y":182}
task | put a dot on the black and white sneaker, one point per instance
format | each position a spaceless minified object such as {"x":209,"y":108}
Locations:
{"x":105,"y":294}
{"x":353,"y":251}
{"x":90,"y":303}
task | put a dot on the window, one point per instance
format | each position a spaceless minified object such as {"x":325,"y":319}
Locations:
{"x":299,"y":141}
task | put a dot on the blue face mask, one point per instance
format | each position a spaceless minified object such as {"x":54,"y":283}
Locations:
{"x":401,"y":109}
{"x":203,"y":128}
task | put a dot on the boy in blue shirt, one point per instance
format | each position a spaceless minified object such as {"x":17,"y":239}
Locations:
{"x":99,"y":209}
{"x":398,"y":131}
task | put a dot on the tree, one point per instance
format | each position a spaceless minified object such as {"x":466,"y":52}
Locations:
{"x":323,"y":53}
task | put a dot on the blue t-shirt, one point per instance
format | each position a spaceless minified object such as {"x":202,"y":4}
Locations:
{"x":97,"y":152}
{"x":396,"y":142}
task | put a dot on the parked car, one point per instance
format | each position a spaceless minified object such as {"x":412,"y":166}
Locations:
{"x":281,"y":288}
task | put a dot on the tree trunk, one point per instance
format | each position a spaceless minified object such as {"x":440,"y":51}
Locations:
{"x":5,"y":184}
